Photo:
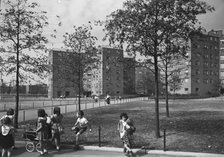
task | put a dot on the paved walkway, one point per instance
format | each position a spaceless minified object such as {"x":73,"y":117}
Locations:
{"x":94,"y":151}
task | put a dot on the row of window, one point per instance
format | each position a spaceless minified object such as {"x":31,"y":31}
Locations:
{"x":206,"y":72}
{"x":206,"y":81}
{"x":206,"y":64}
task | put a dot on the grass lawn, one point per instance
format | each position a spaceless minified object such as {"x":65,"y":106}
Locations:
{"x":194,"y":125}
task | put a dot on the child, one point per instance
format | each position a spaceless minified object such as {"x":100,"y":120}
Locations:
{"x":80,"y":127}
{"x":126,"y":129}
{"x":42,"y":130}
{"x":10,"y":114}
{"x":6,"y":137}
{"x":57,"y":127}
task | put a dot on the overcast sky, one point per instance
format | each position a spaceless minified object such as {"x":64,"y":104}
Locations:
{"x":78,"y":12}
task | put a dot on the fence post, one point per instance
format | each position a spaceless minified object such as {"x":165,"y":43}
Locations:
{"x":4,"y":107}
{"x":99,"y":136}
{"x":43,"y":103}
{"x":33,"y":104}
{"x":65,"y":108}
{"x":164,"y":140}
{"x":52,"y":103}
{"x":24,"y":112}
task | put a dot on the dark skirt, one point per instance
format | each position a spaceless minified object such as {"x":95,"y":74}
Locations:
{"x":7,"y":141}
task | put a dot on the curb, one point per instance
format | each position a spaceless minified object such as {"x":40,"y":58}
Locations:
{"x":149,"y":152}
{"x":189,"y":154}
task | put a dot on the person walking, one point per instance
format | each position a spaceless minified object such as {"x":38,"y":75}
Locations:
{"x":42,"y":131}
{"x":57,"y":128}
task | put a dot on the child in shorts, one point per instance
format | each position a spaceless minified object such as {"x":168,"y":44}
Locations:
{"x":80,"y":127}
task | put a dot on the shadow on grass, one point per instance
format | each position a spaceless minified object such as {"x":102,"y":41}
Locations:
{"x":196,"y":122}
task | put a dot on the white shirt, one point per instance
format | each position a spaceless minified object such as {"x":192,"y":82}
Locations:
{"x":6,"y":129}
{"x":82,"y":121}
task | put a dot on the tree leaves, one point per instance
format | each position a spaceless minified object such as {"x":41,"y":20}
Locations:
{"x":22,"y":34}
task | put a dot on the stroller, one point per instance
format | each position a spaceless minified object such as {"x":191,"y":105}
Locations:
{"x":31,"y":139}
{"x":32,"y":142}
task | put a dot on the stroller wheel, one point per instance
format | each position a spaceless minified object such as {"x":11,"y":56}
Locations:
{"x":30,"y":147}
{"x":38,"y":147}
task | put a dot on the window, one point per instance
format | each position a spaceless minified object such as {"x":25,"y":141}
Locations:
{"x":197,"y":72}
{"x":206,"y":72}
{"x":198,"y":80}
{"x":206,"y":64}
{"x":211,"y":81}
{"x":186,"y":89}
{"x":197,"y":89}
{"x":206,"y":81}
{"x":197,"y":63}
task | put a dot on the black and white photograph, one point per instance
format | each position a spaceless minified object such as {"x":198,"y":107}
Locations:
{"x":112,"y":78}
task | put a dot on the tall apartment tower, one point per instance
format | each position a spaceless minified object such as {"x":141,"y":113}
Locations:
{"x":108,"y":78}
{"x":220,"y":34}
{"x":129,"y":75}
{"x":202,"y":76}
{"x":63,"y":77}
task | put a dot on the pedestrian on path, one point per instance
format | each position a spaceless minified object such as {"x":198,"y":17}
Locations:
{"x":126,"y":129}
{"x":108,"y":99}
{"x":42,"y":131}
{"x":80,"y":127}
{"x":57,"y":127}
{"x":6,"y":137}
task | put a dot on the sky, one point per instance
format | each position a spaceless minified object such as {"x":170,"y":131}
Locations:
{"x":78,"y":12}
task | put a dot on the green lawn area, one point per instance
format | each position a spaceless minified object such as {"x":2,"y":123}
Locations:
{"x":194,"y":125}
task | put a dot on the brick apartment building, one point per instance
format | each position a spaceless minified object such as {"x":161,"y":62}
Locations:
{"x":63,"y":77}
{"x":220,"y":34}
{"x":129,"y":75}
{"x":108,"y":78}
{"x":202,"y":76}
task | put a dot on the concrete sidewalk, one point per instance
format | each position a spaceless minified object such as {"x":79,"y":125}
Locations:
{"x":91,"y":151}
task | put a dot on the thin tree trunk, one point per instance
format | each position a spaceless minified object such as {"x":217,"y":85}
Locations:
{"x":17,"y":77}
{"x":167,"y":99}
{"x":79,"y":84}
{"x":157,"y":131}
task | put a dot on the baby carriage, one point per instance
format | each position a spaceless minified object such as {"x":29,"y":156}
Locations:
{"x":32,"y":142}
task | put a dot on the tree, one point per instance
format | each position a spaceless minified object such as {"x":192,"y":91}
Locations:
{"x":144,"y":24}
{"x":175,"y":82}
{"x":81,"y":43}
{"x":173,"y":59}
{"x":21,"y":31}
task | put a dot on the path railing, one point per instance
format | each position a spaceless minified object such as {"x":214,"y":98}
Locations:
{"x":28,"y":109}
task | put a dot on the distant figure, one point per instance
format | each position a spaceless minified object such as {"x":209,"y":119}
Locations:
{"x":96,"y":98}
{"x":80,"y":127}
{"x":108,"y":99}
{"x":119,"y":97}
